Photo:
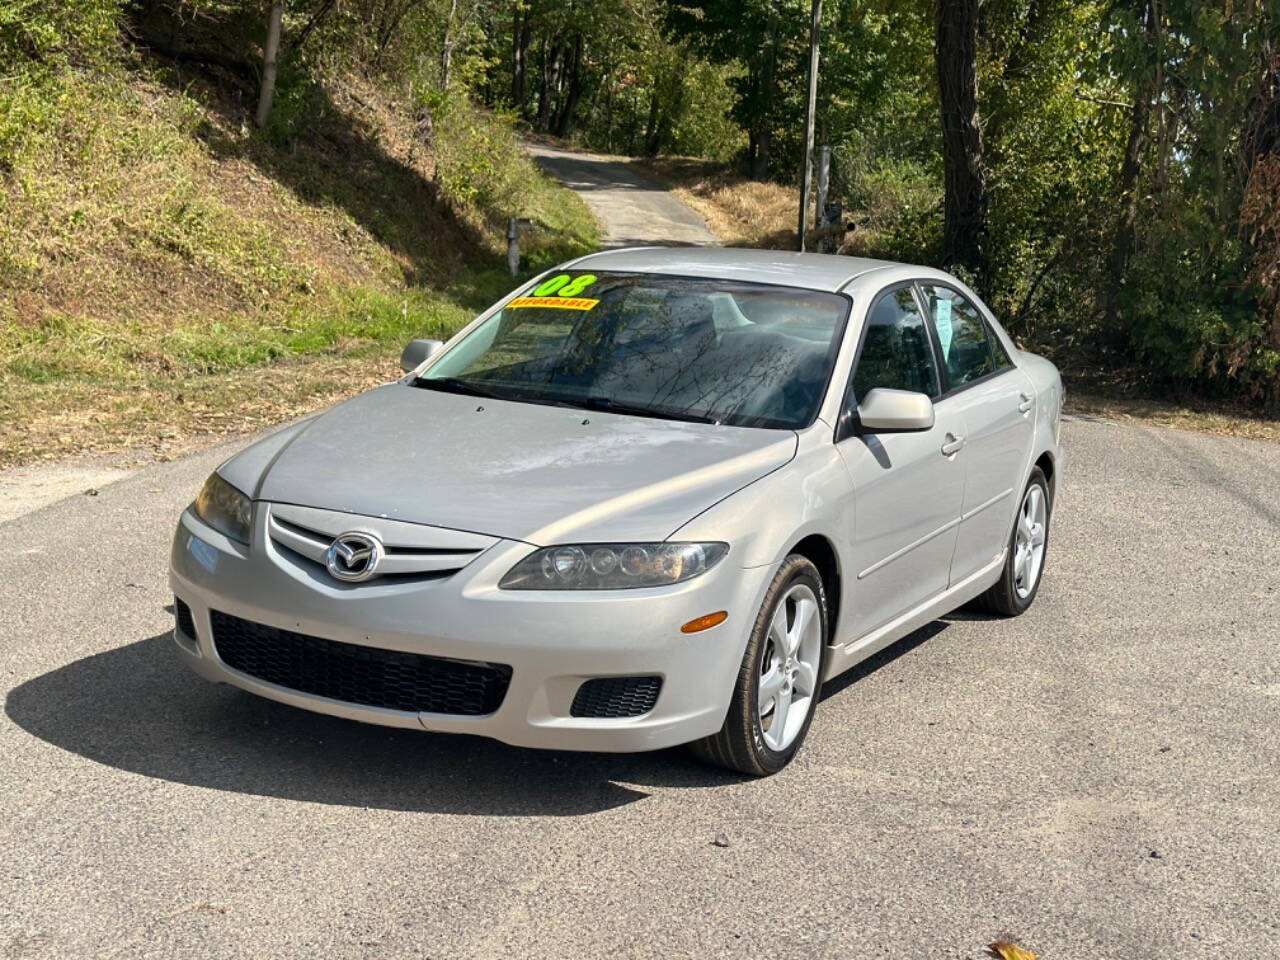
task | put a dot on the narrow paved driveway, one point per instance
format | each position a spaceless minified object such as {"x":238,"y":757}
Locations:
{"x":634,"y":210}
{"x":1098,"y":778}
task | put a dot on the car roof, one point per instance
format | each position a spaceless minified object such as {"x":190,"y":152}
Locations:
{"x":812,"y":271}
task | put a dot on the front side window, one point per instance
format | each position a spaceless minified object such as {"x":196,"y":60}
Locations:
{"x":896,"y":352}
{"x":962,"y":335}
{"x":680,"y":348}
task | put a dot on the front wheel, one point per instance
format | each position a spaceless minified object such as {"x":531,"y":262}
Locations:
{"x":1024,"y":560}
{"x":780,"y":678}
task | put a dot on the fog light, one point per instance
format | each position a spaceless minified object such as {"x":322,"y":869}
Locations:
{"x":705,"y":622}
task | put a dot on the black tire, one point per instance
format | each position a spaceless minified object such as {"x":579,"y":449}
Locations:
{"x":1003,"y":598}
{"x":740,"y":744}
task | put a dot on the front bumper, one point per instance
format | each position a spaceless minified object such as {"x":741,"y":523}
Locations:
{"x":553,"y":641}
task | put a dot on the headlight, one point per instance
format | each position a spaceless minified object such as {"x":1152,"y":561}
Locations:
{"x":224,"y":508}
{"x":612,"y":566}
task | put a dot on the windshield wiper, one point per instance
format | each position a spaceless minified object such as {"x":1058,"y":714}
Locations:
{"x":456,"y":385}
{"x":472,"y":389}
{"x":613,"y":406}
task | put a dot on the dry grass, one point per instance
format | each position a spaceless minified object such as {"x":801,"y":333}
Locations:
{"x":739,"y":211}
{"x":1223,"y":419}
{"x":164,"y":418}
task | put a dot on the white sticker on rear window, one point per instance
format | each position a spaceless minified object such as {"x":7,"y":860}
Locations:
{"x":942,"y":320}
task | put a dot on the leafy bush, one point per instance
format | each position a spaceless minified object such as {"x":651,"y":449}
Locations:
{"x":895,"y":204}
{"x":37,"y":34}
{"x":703,"y":127}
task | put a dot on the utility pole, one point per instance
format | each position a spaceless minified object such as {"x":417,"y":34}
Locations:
{"x":806,"y":177}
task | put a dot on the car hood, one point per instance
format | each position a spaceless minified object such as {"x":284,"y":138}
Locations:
{"x":521,"y":471}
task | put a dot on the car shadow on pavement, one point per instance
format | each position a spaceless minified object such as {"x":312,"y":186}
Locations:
{"x":882,"y":658}
{"x":137,"y":708}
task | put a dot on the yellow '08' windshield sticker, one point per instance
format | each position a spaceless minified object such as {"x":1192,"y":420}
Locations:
{"x":554,"y":303}
{"x":561,"y":292}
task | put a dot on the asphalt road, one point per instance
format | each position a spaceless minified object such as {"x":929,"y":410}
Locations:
{"x":1098,"y":779}
{"x":634,"y":209}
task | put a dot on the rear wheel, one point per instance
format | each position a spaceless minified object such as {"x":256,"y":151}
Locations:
{"x":780,"y":677}
{"x":1024,"y":560}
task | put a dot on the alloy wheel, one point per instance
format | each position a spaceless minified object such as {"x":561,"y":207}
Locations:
{"x":1029,"y":541}
{"x":788,"y":668}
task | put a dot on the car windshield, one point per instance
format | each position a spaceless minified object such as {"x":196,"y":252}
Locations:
{"x":713,"y":351}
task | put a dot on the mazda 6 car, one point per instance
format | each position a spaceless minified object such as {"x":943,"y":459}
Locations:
{"x":654,"y":497}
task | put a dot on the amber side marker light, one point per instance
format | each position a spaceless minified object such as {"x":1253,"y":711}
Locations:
{"x":705,"y":622}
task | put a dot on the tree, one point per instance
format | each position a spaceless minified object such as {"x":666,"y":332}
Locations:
{"x":271,"y":52}
{"x":770,"y":39}
{"x":520,"y":37}
{"x":965,"y":199}
{"x":1146,"y":90}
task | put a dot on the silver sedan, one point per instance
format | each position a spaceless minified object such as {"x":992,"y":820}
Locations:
{"x":654,"y":497}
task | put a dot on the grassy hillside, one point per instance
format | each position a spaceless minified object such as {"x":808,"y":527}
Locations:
{"x":168,"y":273}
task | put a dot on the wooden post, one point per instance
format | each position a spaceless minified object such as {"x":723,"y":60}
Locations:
{"x":514,"y":226}
{"x":269,"y":62}
{"x":513,"y":246}
{"x":807,"y":176}
{"x":824,"y":183}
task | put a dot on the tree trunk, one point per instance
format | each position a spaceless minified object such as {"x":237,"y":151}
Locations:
{"x":322,"y":11}
{"x":665,"y":134}
{"x":768,"y":87}
{"x":392,"y":12}
{"x":634,"y":127}
{"x":520,"y":34}
{"x":552,"y":63}
{"x":965,"y":207}
{"x":1125,"y":240}
{"x":608,"y":118}
{"x":1260,"y":208}
{"x":565,"y":123}
{"x":269,"y":63}
{"x":446,"y":48}
{"x":651,"y":126}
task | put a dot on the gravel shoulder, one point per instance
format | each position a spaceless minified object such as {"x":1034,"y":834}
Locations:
{"x":24,"y":489}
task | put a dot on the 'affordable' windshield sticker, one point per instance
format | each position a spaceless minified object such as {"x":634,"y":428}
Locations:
{"x":554,"y":303}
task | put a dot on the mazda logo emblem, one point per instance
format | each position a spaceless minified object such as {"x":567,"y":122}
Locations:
{"x":354,"y":556}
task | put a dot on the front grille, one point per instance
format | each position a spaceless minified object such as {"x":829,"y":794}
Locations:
{"x":363,"y":675}
{"x":616,"y":697}
{"x":182,"y":615}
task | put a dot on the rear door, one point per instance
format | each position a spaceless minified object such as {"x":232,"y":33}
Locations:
{"x":906,"y":489}
{"x":994,"y":400}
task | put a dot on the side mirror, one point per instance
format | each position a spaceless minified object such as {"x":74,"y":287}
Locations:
{"x":895,"y":411}
{"x":418,"y":351}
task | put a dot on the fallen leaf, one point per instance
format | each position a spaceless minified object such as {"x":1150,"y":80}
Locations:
{"x":1007,"y":950}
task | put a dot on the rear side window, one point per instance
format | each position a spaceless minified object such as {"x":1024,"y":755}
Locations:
{"x":896,"y":352}
{"x":966,"y":347}
{"x":998,"y":351}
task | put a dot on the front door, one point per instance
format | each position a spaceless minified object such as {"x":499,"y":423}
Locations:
{"x":906,"y":488}
{"x":994,"y":399}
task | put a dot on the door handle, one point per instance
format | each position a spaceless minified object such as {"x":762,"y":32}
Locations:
{"x":1025,"y":403}
{"x":953,"y":445}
